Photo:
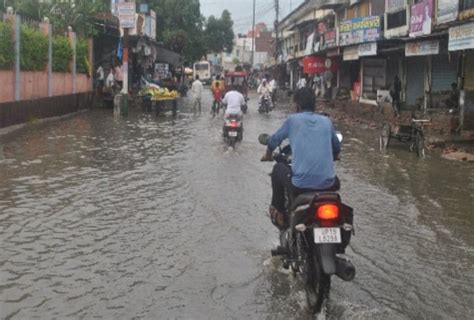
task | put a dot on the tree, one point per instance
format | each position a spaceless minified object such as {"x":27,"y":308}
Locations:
{"x":79,"y":14}
{"x":219,"y":34}
{"x":179,"y":26}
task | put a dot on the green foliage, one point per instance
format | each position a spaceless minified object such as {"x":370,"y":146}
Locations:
{"x":34,"y":49}
{"x":6,"y":46}
{"x":82,"y":56}
{"x":180,"y":25}
{"x":77,"y":14}
{"x":219,"y":34}
{"x":62,"y":54}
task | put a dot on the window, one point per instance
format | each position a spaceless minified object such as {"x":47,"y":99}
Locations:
{"x":397,"y":19}
{"x":201,"y":66}
{"x":378,"y":8}
{"x":466,"y":4}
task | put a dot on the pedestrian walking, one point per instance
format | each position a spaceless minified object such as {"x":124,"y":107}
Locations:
{"x":196,"y":89}
{"x":118,"y":74}
{"x":301,"y":83}
{"x":109,"y":82}
{"x":395,"y":94}
{"x":100,"y":79}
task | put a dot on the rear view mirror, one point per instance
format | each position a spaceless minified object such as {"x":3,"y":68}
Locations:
{"x":264,"y":138}
{"x":339,"y":136}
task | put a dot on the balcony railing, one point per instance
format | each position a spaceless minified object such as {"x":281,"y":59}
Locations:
{"x":330,"y":4}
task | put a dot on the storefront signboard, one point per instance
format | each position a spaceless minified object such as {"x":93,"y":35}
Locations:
{"x":367,"y":49}
{"x":447,"y":10}
{"x":351,"y":53}
{"x":360,"y":30}
{"x":420,"y":21}
{"x":422,"y":48}
{"x":461,"y":37}
{"x":319,"y":64}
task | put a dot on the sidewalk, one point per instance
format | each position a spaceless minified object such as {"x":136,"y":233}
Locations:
{"x":441,"y":134}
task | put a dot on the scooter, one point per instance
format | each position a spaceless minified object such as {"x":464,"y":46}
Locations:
{"x":233,"y":129}
{"x":265,"y":105}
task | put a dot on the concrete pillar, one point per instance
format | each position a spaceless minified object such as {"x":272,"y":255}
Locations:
{"x":73,"y":40}
{"x":46,"y":28}
{"x":90,"y":43}
{"x":17,"y":58}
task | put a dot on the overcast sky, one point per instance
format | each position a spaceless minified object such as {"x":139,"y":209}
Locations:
{"x":241,"y":11}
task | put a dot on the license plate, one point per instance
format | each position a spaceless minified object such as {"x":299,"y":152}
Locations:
{"x":232,"y":133}
{"x":327,"y":235}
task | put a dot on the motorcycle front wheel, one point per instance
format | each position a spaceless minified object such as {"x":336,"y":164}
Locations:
{"x":317,"y":284}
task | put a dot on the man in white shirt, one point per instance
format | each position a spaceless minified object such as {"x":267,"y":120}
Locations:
{"x":301,"y":83}
{"x":100,"y":79}
{"x":196,"y":90}
{"x":234,"y":101}
{"x":109,"y":83}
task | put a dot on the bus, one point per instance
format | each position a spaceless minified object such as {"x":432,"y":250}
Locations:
{"x":203,"y":70}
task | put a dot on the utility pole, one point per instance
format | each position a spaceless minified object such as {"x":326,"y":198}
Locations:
{"x":276,"y":70}
{"x":277,"y":11}
{"x":253,"y":35}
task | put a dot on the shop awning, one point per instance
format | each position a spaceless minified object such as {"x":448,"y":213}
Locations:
{"x":167,"y":56}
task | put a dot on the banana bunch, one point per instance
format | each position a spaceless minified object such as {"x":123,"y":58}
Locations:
{"x":159,"y":93}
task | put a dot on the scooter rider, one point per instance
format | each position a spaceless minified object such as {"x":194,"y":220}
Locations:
{"x":233,"y":100}
{"x":265,"y":91}
{"x":314,"y":147}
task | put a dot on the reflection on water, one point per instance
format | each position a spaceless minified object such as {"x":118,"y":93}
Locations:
{"x":155,"y":219}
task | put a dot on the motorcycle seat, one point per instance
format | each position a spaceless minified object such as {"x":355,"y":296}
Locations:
{"x":303,"y":199}
{"x":307,"y":197}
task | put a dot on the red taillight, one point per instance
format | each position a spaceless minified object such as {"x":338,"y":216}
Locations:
{"x":327,"y":212}
{"x":234,"y":124}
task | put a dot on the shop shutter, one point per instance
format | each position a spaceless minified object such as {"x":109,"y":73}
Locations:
{"x":469,"y":92}
{"x":415,"y":79}
{"x":445,"y":72}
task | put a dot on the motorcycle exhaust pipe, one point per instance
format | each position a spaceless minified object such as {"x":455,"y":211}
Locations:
{"x":279,"y":251}
{"x":345,"y":269}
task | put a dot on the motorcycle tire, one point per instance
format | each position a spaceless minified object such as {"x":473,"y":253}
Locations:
{"x":317,"y":284}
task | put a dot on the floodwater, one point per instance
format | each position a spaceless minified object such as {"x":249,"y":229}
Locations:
{"x":146,"y":218}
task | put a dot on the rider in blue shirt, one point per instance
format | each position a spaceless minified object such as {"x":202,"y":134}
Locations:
{"x":314,"y":146}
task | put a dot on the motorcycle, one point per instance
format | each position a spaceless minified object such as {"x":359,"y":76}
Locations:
{"x":233,"y":129}
{"x":314,"y":236}
{"x":265,"y":105}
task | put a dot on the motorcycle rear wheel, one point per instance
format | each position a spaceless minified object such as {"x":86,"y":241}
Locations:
{"x":317,"y":284}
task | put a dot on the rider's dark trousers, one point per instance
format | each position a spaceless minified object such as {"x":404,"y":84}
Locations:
{"x":281,"y":181}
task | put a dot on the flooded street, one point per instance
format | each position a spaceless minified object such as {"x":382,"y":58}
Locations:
{"x":155,"y":218}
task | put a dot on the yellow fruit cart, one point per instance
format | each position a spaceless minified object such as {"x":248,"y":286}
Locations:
{"x":160,"y":104}
{"x":160,"y":98}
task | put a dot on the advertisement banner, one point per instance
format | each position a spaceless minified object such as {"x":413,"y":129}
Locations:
{"x":447,"y":10}
{"x":309,"y":45}
{"x":461,"y":37}
{"x":420,"y":21}
{"x":330,"y":39}
{"x":153,"y":24}
{"x":360,"y":30}
{"x":395,"y":5}
{"x":317,"y":64}
{"x":126,"y":14}
{"x":422,"y":48}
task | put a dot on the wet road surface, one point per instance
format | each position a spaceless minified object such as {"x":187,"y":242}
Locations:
{"x":145,"y":218}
